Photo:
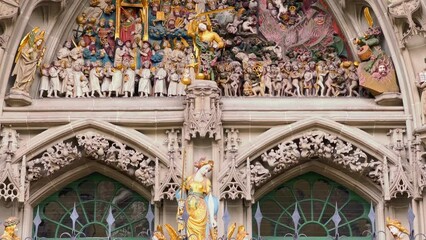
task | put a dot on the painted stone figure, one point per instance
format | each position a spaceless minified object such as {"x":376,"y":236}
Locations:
{"x":213,"y":39}
{"x":10,"y":228}
{"x":376,"y":71}
{"x":201,"y":210}
{"x":206,"y":43}
{"x":395,"y":227}
{"x":29,"y":56}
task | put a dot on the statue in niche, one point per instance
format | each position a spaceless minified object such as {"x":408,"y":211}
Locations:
{"x":28,"y":58}
{"x":421,"y":84}
{"x":10,"y":228}
{"x":395,"y":227}
{"x":200,"y":204}
{"x":376,"y":71}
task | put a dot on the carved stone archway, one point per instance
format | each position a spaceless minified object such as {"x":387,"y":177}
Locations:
{"x":347,"y":151}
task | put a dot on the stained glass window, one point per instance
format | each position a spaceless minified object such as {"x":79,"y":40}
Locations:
{"x":93,"y":196}
{"x":316,"y":197}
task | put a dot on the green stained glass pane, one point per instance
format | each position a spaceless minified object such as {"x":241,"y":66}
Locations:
{"x":53,"y":211}
{"x":340,"y":195}
{"x":353,"y":210}
{"x":318,"y":207}
{"x":316,"y":197}
{"x":135,"y":210}
{"x":95,"y":230}
{"x":104,"y":190}
{"x":328,"y":213}
{"x":272,"y":209}
{"x":302,"y":190}
{"x":93,"y":196}
{"x":314,"y":230}
{"x":67,"y":197}
{"x":86,"y":190}
{"x":321,"y":190}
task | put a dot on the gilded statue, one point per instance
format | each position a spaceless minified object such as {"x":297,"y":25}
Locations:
{"x":206,"y":44}
{"x":395,"y":227}
{"x":200,"y":203}
{"x":10,"y":228}
{"x":28,"y":58}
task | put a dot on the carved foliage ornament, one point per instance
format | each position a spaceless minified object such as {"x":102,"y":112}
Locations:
{"x":96,"y":147}
{"x":311,"y":146}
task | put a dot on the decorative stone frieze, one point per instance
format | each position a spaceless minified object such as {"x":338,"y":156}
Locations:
{"x":419,"y":166}
{"x":173,"y":143}
{"x":235,"y":183}
{"x":203,"y":110}
{"x":314,"y":145}
{"x":404,"y":16}
{"x":232,"y":142}
{"x":10,"y":186}
{"x":98,"y":148}
{"x":167,"y":187}
{"x":400,"y":180}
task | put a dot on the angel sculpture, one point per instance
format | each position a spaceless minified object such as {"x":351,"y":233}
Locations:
{"x":29,"y":56}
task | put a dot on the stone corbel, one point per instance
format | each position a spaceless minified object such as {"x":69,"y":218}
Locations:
{"x":403,"y":11}
{"x":203,"y":111}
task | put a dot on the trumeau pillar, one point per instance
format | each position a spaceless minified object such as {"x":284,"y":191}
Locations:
{"x":202,"y":115}
{"x":202,"y":121}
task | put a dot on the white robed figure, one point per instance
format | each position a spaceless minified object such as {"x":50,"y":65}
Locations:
{"x":78,"y":77}
{"x":160,"y":81}
{"x":129,"y":82}
{"x":116,"y":83}
{"x":145,"y":80}
{"x":96,"y":73}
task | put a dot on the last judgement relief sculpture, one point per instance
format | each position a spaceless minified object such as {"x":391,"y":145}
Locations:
{"x":129,"y":48}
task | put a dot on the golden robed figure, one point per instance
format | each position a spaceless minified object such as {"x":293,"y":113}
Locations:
{"x":200,"y":211}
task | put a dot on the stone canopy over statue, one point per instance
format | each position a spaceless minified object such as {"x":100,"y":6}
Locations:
{"x":286,"y":48}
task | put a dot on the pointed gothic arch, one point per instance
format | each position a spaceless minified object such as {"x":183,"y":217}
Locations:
{"x":130,"y":137}
{"x":43,"y":188}
{"x":275,"y":135}
{"x":315,"y":144}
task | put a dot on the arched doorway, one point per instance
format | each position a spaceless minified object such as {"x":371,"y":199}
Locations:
{"x":316,"y":197}
{"x":93,"y":196}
